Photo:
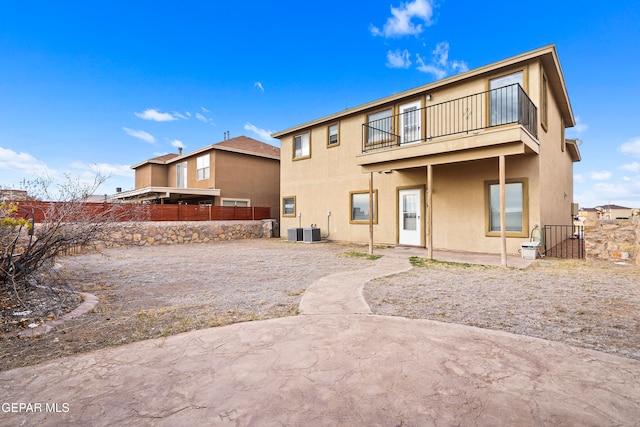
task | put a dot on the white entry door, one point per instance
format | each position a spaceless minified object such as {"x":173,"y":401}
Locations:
{"x":410,"y":224}
{"x":410,"y":123}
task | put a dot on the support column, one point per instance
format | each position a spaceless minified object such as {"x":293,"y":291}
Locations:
{"x":429,"y":211}
{"x":371,"y":213}
{"x":503,"y":215}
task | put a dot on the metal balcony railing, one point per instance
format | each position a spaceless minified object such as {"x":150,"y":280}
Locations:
{"x":496,"y":107}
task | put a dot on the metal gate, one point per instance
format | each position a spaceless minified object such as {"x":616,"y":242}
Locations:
{"x":563,"y":241}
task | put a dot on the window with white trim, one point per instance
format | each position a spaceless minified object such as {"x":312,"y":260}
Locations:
{"x":181,"y":175}
{"x":301,"y":146}
{"x":202,"y":167}
{"x":333,"y":135}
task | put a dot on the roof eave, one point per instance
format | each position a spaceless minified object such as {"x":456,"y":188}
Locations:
{"x":574,"y":151}
{"x":546,"y":51}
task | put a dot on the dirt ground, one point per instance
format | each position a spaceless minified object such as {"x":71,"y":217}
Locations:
{"x":578,"y":302}
{"x":150,"y":292}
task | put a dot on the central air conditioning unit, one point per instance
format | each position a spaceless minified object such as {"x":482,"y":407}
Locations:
{"x":311,"y":234}
{"x":294,"y":234}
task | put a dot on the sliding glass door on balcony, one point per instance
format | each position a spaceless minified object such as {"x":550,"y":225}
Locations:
{"x":505,"y":98}
{"x":410,"y":123}
{"x":181,"y":175}
{"x":505,"y":103}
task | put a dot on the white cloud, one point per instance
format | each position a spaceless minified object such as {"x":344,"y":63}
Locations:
{"x":262,"y":133}
{"x":180,"y":115}
{"x":259,"y":86}
{"x":623,"y":193}
{"x":140,"y":134}
{"x":441,"y":53}
{"x":459,"y":66}
{"x":188,"y":114}
{"x":578,"y":179}
{"x":18,"y":167}
{"x":177,"y":143}
{"x":631,"y":167}
{"x":400,"y":23}
{"x":398,"y":59}
{"x":205,"y":110}
{"x":631,"y":147}
{"x":106,"y":169}
{"x":579,"y":128}
{"x":202,"y":118}
{"x":611,"y":190}
{"x":600,"y":175}
{"x":436,"y":71}
{"x":156,"y":116}
{"x":440,"y":65}
{"x":22,"y":163}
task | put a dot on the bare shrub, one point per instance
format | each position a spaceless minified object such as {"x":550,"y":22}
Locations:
{"x":33,"y":233}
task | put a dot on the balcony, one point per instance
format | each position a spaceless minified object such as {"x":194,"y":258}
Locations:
{"x":469,"y":115}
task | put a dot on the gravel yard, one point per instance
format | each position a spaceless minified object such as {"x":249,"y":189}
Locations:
{"x":150,"y":292}
{"x":577,"y":302}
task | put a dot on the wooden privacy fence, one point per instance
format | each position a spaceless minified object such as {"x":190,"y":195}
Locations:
{"x":205,"y":213}
{"x":120,"y":212}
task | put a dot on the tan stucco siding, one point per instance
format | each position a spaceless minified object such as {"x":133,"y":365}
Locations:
{"x":462,"y":165}
{"x":151,"y":175}
{"x":244,"y":177}
{"x":460,"y":207}
{"x":556,"y":169}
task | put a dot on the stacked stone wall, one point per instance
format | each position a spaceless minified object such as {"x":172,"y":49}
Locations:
{"x":184,"y":232}
{"x":614,"y":240}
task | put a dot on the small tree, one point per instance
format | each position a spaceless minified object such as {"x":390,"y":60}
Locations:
{"x":30,"y":248}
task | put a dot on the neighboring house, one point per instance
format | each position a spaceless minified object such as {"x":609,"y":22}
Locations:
{"x":9,"y":194}
{"x":613,"y":212}
{"x":438,"y":158}
{"x":588,"y":214}
{"x":237,"y":172}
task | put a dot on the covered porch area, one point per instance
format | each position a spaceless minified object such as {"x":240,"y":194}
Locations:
{"x":465,"y":211}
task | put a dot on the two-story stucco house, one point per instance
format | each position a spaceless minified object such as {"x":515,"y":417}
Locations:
{"x":237,"y":172}
{"x":471,"y":162}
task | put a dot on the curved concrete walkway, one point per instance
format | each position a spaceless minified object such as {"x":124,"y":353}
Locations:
{"x":334,"y":365}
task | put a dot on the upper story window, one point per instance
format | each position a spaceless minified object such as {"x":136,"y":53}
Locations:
{"x":181,"y":175}
{"x":380,"y":126}
{"x":504,"y":98}
{"x":301,"y":146}
{"x":333,"y":139}
{"x":202,"y":167}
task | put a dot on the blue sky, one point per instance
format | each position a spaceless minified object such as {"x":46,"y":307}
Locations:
{"x":106,"y":85}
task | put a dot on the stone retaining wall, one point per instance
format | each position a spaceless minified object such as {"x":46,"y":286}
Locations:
{"x":168,"y":233}
{"x":613,"y":239}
